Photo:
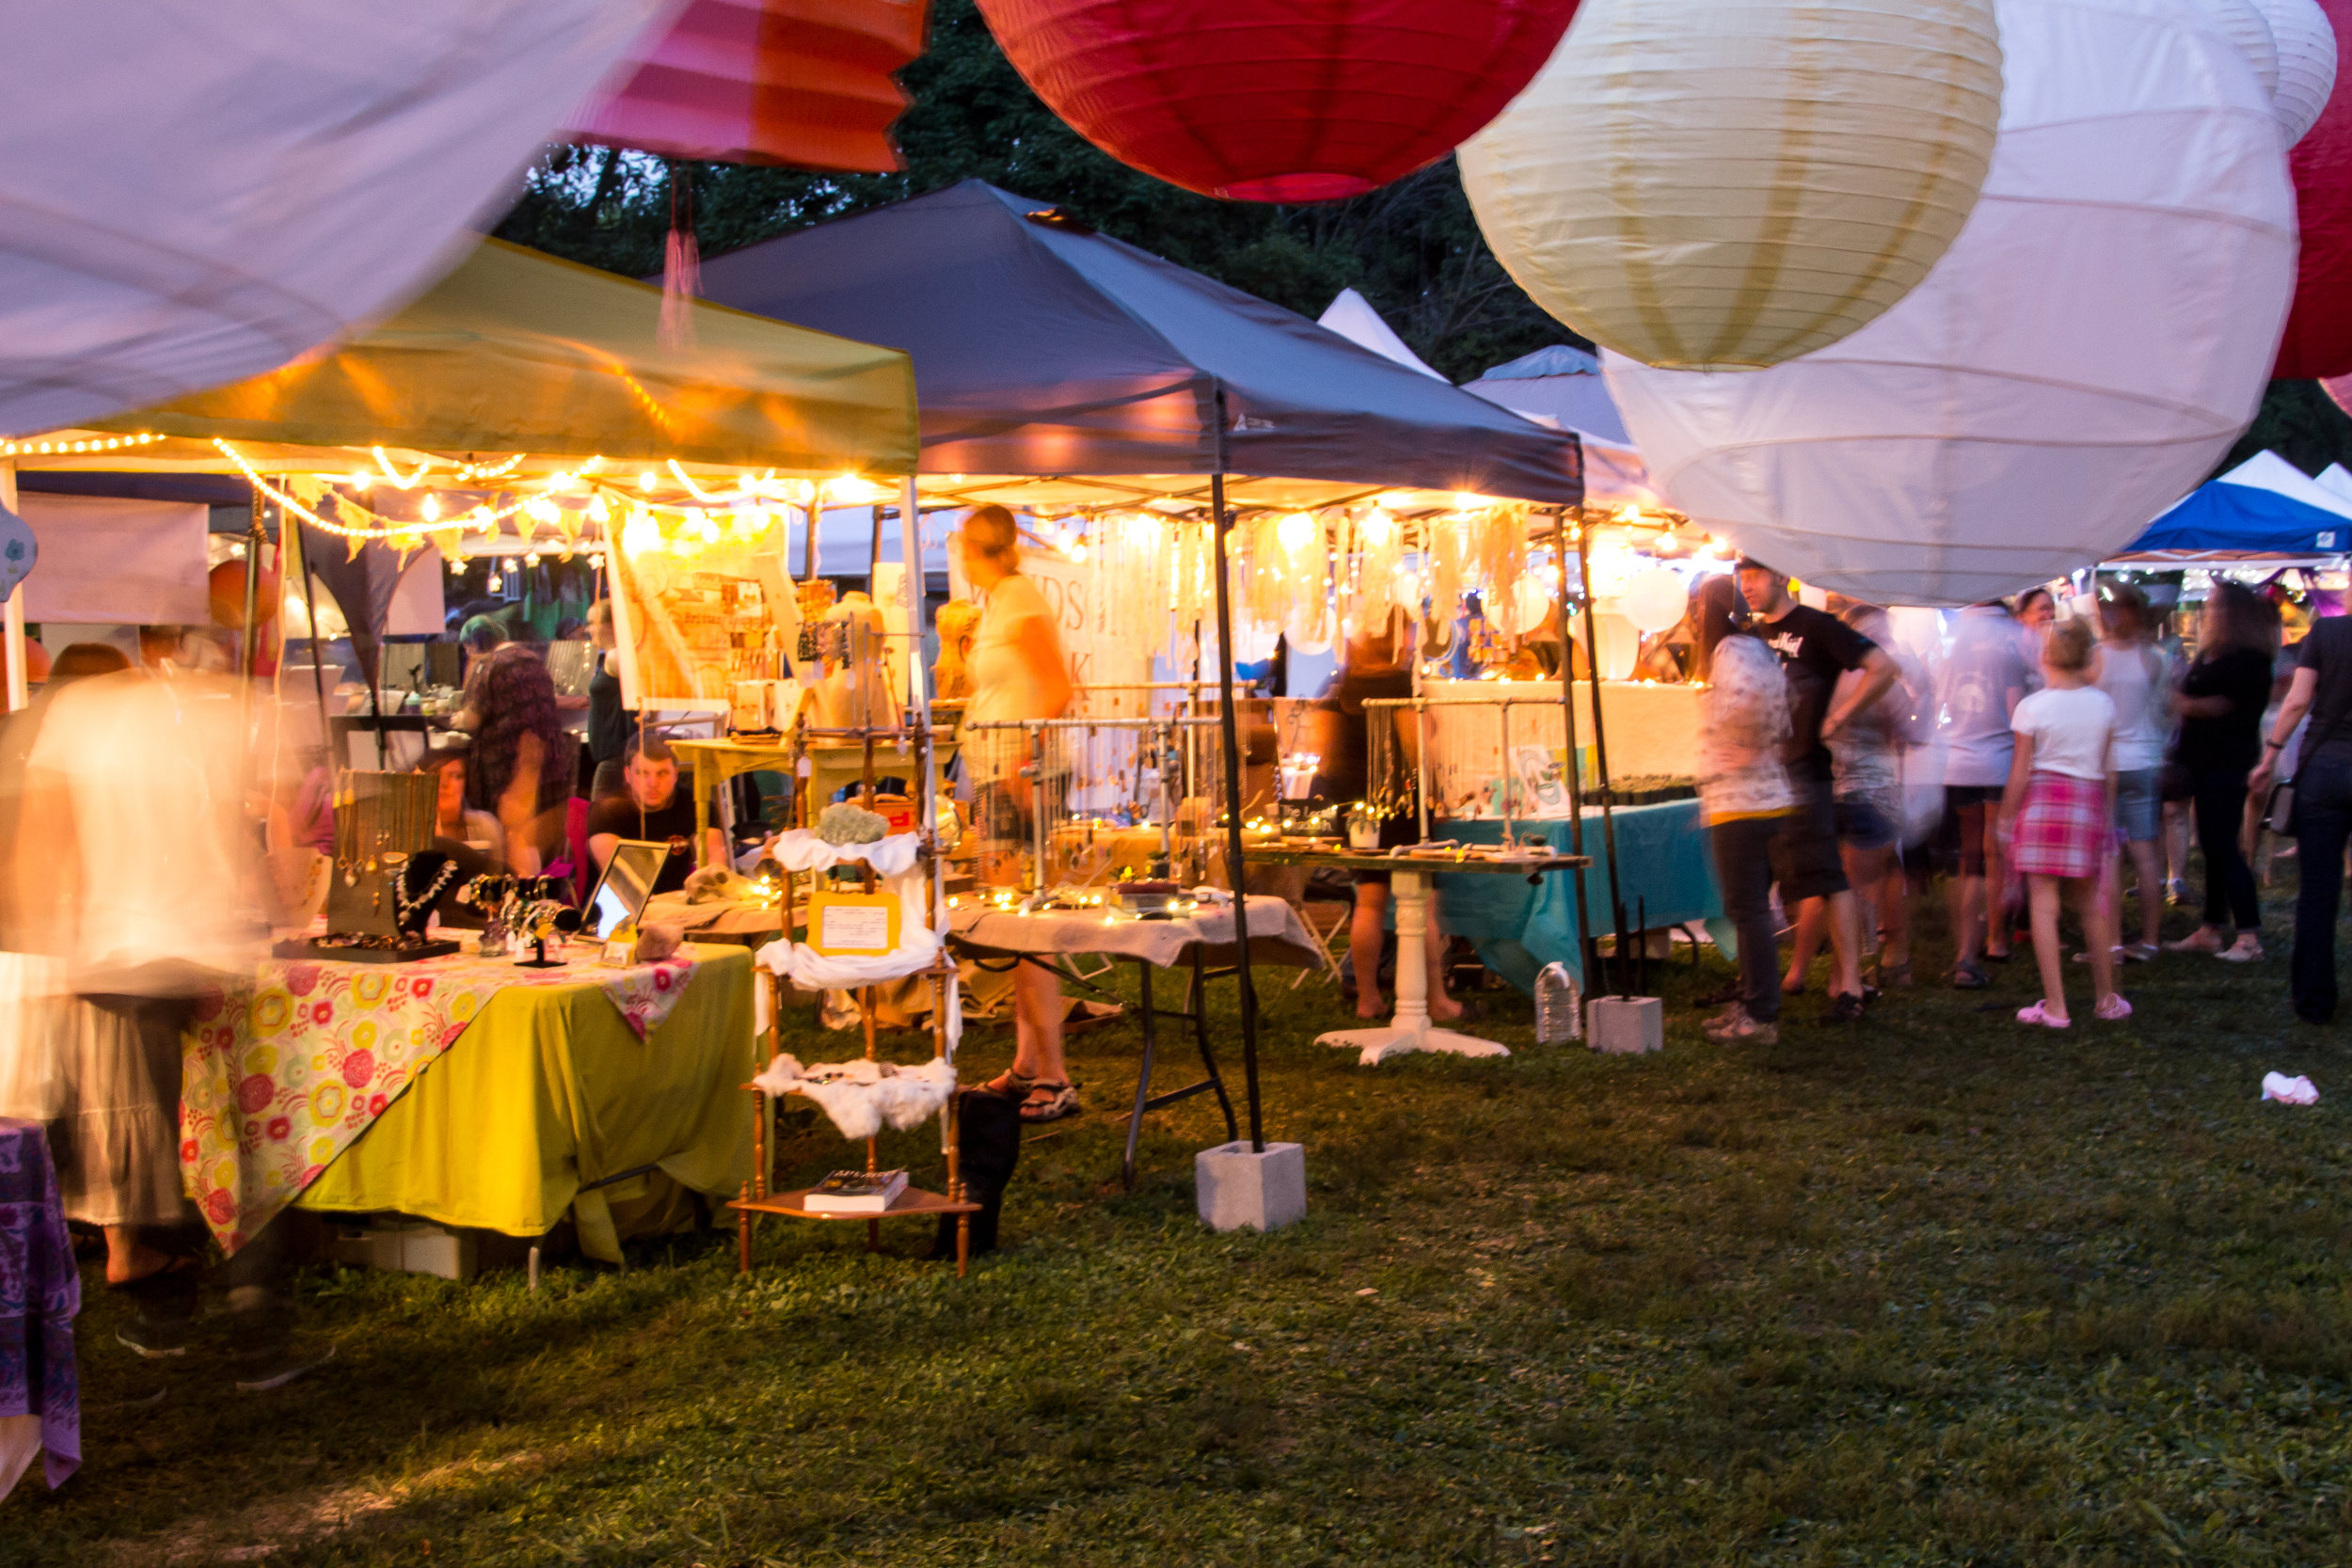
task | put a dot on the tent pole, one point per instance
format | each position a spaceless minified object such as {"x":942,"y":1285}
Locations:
{"x":19,"y":678}
{"x":255,"y":538}
{"x":1567,"y":713}
{"x":318,"y":672}
{"x":1600,"y":737}
{"x":1235,"y":843}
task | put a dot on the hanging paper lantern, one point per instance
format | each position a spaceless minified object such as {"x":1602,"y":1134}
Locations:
{"x":2319,"y":339}
{"x":2016,"y":417}
{"x":1259,"y":100}
{"x":1653,"y":600}
{"x":2248,"y":29}
{"x":2306,"y":45}
{"x":1725,"y":183}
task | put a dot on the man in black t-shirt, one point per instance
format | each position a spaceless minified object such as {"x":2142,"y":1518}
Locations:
{"x":652,"y":807}
{"x":1814,"y":649}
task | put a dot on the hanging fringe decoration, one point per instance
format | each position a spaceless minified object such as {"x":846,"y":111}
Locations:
{"x":681,"y":271}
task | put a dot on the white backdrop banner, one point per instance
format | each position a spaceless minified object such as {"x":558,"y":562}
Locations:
{"x":109,"y":560}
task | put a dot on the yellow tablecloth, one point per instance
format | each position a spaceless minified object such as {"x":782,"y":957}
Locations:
{"x":548,"y":1089}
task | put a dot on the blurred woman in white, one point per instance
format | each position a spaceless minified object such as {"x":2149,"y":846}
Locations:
{"x":2136,"y":676}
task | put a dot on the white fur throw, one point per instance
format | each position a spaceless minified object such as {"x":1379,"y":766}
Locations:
{"x":862,"y":1096}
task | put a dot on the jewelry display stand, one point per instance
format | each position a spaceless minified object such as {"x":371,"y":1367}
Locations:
{"x":382,"y":820}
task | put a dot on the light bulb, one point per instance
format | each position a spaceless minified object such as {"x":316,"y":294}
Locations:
{"x":599,"y":511}
{"x":1378,"y":527}
{"x":645,"y":480}
{"x":431,"y":509}
{"x":495,"y":583}
{"x":1295,"y":531}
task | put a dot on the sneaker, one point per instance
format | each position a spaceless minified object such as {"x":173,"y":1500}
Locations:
{"x":1733,"y":1026}
{"x":2176,"y":894}
{"x":262,"y":1373}
{"x":1844,"y":1008}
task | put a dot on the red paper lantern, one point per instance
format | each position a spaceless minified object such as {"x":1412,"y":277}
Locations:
{"x":2318,"y":337}
{"x":1278,"y":100}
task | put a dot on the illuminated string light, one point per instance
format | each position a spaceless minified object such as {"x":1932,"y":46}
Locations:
{"x":62,"y":448}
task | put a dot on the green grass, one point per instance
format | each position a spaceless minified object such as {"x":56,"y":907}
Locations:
{"x":1928,"y":1289}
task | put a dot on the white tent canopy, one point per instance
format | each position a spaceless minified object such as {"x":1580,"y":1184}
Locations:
{"x":1352,"y":317}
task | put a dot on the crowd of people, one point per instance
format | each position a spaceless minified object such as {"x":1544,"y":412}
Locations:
{"x":2038,"y":762}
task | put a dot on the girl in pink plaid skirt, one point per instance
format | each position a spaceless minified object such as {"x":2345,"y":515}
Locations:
{"x":2058,"y":814}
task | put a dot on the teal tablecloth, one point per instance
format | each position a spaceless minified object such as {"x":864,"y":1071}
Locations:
{"x":1662,"y":859}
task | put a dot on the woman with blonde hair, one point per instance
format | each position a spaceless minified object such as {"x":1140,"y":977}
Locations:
{"x":1018,"y":671}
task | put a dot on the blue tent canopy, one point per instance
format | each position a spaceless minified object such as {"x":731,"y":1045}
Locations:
{"x":2219,"y":518}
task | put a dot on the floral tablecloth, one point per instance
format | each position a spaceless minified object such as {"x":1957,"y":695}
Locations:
{"x":40,"y":1294}
{"x":281,"y":1075}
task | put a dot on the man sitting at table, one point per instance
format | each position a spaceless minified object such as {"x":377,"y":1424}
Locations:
{"x":651,"y":807}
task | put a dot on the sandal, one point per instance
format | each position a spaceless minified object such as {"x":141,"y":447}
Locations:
{"x":1894,"y":976}
{"x":1010,"y":1084}
{"x":1084,"y":1015}
{"x":2039,"y":1014}
{"x":1970,"y":977}
{"x":1062,"y":1099}
{"x":2113,"y":1009}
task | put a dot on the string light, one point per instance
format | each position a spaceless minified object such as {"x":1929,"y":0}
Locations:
{"x":53,"y":448}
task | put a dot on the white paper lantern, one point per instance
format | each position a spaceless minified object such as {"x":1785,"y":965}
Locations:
{"x":1733,"y":182}
{"x":2306,"y":43}
{"x":2083,"y":356}
{"x":2242,"y":23}
{"x":1653,"y":600}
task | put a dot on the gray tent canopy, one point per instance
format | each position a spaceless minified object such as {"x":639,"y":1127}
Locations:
{"x":1563,"y":384}
{"x":1042,"y":349}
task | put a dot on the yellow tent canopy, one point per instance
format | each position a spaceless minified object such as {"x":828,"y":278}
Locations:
{"x":519,"y":351}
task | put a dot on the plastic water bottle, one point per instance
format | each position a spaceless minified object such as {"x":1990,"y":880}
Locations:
{"x":1559,"y":1008}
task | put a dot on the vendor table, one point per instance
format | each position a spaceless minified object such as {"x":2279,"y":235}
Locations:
{"x":550,"y":1100}
{"x":1662,"y":864}
{"x":1411,"y":1029}
{"x":1203,"y":939}
{"x":40,"y":1403}
{"x":833,"y":764}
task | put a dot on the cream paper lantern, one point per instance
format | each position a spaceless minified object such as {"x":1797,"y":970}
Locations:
{"x":2083,"y":356}
{"x":1653,"y":599}
{"x":2242,"y":23}
{"x":1724,"y":184}
{"x":2306,"y":45}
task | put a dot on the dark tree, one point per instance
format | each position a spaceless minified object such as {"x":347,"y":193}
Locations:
{"x":1412,"y":247}
{"x":2302,"y":423}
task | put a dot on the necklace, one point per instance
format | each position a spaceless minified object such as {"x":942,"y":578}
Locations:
{"x":405,"y":906}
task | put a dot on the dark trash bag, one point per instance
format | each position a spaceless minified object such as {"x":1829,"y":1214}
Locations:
{"x":987,"y":1142}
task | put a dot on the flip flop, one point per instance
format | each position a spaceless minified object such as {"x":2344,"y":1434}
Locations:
{"x":2038,"y":1014}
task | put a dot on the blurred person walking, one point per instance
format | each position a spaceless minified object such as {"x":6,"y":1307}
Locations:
{"x":2137,"y":675}
{"x":1745,"y":793}
{"x":2222,"y":697}
{"x":1983,"y":681}
{"x":1865,"y":792}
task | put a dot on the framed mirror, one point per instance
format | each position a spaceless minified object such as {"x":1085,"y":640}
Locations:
{"x":626,"y":883}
